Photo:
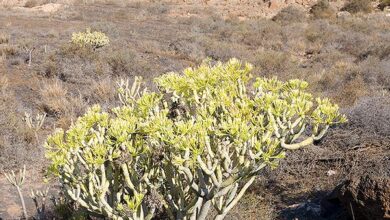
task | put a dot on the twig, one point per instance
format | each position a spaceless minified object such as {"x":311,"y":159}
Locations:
{"x":17,"y":182}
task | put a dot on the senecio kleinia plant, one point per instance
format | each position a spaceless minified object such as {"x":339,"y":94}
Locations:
{"x":94,"y":39}
{"x":197,"y":144}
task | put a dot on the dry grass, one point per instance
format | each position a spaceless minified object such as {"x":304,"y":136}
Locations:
{"x":379,"y":120}
{"x":345,"y":59}
{"x":322,"y":10}
{"x":103,"y":91}
{"x":16,"y":142}
{"x":50,"y":68}
{"x":35,"y":3}
{"x":122,"y":62}
{"x":54,"y":98}
{"x":76,"y":108}
{"x":355,"y":6}
{"x":383,"y":4}
{"x":4,"y":85}
{"x":273,"y":62}
{"x":4,"y":38}
{"x":7,"y":50}
{"x":290,"y":14}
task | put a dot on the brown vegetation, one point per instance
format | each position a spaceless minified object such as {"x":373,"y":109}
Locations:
{"x":355,"y":6}
{"x":347,"y":59}
{"x":322,"y":9}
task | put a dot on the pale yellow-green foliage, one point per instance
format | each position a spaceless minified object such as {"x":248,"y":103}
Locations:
{"x":94,"y":39}
{"x":198,"y":142}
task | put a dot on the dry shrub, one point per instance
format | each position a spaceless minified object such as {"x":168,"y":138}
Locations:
{"x":351,"y":91}
{"x":31,"y":3}
{"x":15,"y":139}
{"x":76,"y":107}
{"x":364,"y":25}
{"x":4,"y":84}
{"x":383,"y":4}
{"x":375,"y":72}
{"x":35,"y":3}
{"x":150,"y":47}
{"x":372,"y":114}
{"x":102,"y":91}
{"x":72,"y":50}
{"x":263,"y":32}
{"x":272,"y":62}
{"x":50,"y":69}
{"x":352,"y":42}
{"x":122,"y":62}
{"x":4,"y":39}
{"x":54,"y":98}
{"x":327,"y":59}
{"x":157,"y":8}
{"x":222,"y":50}
{"x":77,"y":65}
{"x":379,"y":49}
{"x":8,"y":50}
{"x":312,"y":34}
{"x":188,"y":49}
{"x":346,"y":82}
{"x":355,"y":6}
{"x":109,"y":28}
{"x":322,"y":9}
{"x":290,"y":14}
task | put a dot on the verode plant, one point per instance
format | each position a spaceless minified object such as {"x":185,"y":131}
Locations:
{"x":196,"y":144}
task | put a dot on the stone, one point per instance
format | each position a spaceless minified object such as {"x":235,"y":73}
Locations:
{"x":366,"y":197}
{"x":274,"y":4}
{"x":343,"y":14}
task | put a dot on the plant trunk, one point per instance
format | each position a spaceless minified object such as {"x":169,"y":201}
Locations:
{"x":23,"y":204}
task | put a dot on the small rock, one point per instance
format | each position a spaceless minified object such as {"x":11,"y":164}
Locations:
{"x":331,"y":172}
{"x":366,"y":197}
{"x":274,"y":4}
{"x":343,"y":14}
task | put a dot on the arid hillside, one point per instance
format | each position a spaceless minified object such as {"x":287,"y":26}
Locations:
{"x":341,"y":49}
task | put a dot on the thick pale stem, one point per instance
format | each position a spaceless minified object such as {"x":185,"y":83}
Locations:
{"x":305,"y":142}
{"x":296,"y":146}
{"x":22,"y":201}
{"x":204,"y":210}
{"x":236,"y":199}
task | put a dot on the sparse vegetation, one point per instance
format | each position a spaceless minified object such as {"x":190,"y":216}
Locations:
{"x":4,"y":39}
{"x":383,"y":4}
{"x":54,"y":98}
{"x":322,"y":9}
{"x":290,"y":14}
{"x":344,"y":57}
{"x":355,"y":6}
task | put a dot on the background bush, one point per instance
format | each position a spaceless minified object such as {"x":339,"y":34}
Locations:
{"x":355,"y":6}
{"x":322,"y":9}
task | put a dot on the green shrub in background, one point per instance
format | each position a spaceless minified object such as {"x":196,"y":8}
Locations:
{"x":197,"y":144}
{"x":95,"y":39}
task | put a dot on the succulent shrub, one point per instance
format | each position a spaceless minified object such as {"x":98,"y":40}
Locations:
{"x":196,"y":144}
{"x":95,"y":39}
